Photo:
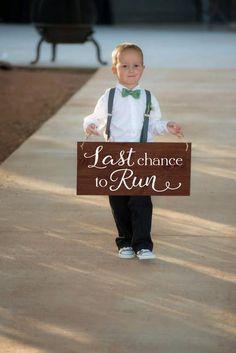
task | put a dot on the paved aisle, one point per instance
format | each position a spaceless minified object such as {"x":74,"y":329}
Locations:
{"x":64,"y":290}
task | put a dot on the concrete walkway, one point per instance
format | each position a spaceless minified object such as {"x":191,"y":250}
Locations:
{"x":64,"y":290}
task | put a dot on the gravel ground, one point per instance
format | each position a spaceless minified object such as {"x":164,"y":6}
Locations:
{"x":29,"y":97}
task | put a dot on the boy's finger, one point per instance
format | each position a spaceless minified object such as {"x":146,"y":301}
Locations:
{"x":180,"y":134}
{"x":93,"y":130}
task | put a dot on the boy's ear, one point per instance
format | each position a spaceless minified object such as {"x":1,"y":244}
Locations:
{"x":113,"y":69}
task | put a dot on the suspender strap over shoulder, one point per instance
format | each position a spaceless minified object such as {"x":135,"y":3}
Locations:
{"x":144,"y":133}
{"x":109,"y":112}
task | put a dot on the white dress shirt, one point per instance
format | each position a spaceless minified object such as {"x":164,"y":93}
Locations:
{"x":127,"y":116}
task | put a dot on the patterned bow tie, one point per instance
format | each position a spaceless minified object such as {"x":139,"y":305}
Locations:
{"x":128,"y":92}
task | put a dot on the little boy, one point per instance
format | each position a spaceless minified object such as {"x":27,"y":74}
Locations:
{"x":121,"y":111}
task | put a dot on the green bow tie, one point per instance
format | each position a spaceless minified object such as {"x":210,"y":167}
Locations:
{"x":128,"y":92}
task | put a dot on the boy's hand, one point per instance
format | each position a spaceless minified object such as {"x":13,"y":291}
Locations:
{"x":175,"y":129}
{"x":92,"y":130}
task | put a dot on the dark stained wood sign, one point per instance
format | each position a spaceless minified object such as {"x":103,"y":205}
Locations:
{"x":133,"y":168}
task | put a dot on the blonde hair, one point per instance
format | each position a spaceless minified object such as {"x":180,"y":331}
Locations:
{"x":121,"y":48}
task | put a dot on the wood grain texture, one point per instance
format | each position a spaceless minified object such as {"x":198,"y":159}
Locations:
{"x":133,"y":168}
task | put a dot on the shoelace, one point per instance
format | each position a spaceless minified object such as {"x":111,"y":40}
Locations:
{"x":126,"y":248}
{"x":143,"y":251}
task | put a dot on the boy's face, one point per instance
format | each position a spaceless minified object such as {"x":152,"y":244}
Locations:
{"x":129,"y":68}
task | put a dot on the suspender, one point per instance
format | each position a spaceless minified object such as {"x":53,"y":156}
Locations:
{"x":144,"y":132}
{"x":109,"y":112}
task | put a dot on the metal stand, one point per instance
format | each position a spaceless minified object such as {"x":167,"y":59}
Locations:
{"x":54,"y":52}
{"x":53,"y":59}
{"x":91,"y":39}
{"x":38,"y":48}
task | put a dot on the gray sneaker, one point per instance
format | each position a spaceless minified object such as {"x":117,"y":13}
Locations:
{"x":126,"y":253}
{"x":145,"y":254}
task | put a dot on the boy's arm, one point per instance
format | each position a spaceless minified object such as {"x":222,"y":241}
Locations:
{"x":157,"y":126}
{"x":97,"y":120}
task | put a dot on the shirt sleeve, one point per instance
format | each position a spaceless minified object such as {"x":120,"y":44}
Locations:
{"x":99,"y":116}
{"x":157,"y":126}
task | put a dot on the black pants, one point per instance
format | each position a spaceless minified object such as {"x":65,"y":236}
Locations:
{"x":133,"y":218}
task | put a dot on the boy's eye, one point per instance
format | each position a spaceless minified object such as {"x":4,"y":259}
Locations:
{"x":127,"y":67}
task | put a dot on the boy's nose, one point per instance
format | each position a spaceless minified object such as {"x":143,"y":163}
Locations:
{"x":131,"y":68}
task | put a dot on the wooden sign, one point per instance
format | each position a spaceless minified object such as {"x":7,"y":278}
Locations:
{"x":133,"y":168}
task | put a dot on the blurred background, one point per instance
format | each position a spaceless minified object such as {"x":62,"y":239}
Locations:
{"x":133,"y":12}
{"x":173,"y":33}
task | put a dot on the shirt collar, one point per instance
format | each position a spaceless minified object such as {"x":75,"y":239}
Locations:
{"x":120,"y":87}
